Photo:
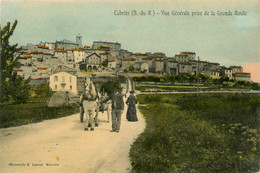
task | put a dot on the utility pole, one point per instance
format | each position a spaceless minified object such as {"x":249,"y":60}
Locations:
{"x":198,"y":76}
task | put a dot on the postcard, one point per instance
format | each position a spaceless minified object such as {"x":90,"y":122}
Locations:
{"x":104,"y":86}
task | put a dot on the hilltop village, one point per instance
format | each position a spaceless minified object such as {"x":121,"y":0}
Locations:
{"x":42,"y":61}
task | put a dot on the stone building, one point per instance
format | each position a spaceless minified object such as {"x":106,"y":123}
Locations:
{"x":113,"y":46}
{"x":184,"y":68}
{"x":158,"y":65}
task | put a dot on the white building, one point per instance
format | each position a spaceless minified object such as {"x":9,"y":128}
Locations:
{"x":64,"y":81}
{"x":243,"y":76}
{"x":191,"y":55}
{"x":111,"y":63}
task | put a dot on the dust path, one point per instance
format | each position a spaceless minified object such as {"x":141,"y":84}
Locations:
{"x":66,"y":147}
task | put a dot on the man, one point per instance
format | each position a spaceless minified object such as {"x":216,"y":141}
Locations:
{"x":117,"y":108}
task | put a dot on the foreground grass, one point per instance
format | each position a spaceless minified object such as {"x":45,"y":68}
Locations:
{"x":19,"y":114}
{"x":208,"y":133}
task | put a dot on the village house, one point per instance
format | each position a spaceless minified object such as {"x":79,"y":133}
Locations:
{"x":61,"y":54}
{"x":172,"y":67}
{"x":199,"y":66}
{"x":149,"y":61}
{"x":25,"y":59}
{"x":214,"y":73}
{"x":104,"y":56}
{"x":124,"y":53}
{"x":78,"y":55}
{"x":158,"y":65}
{"x":37,"y":56}
{"x":159,"y":55}
{"x":50,"y":45}
{"x":44,"y":49}
{"x":64,"y":81}
{"x":129,"y":62}
{"x":184,"y":68}
{"x":111,"y":63}
{"x":214,"y":66}
{"x":236,"y":69}
{"x":191,"y":55}
{"x":227,"y":72}
{"x":93,"y":59}
{"x":182,"y":58}
{"x":91,"y":62}
{"x":144,"y":67}
{"x":139,"y":56}
{"x":242,"y":76}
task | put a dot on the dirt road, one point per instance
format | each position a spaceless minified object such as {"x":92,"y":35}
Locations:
{"x":62,"y":146}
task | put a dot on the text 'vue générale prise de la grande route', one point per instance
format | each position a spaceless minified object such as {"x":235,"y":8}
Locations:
{"x":179,"y":13}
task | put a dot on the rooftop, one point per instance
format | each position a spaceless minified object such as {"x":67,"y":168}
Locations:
{"x":111,"y":60}
{"x":188,"y":52}
{"x":129,"y":59}
{"x":181,"y":55}
{"x":147,"y":58}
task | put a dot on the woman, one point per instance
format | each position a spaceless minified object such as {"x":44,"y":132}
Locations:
{"x":131,"y":111}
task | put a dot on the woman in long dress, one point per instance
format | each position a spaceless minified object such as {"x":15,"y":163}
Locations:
{"x":131,"y":111}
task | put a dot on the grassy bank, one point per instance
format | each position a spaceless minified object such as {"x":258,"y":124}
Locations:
{"x":19,"y":114}
{"x":205,"y":133}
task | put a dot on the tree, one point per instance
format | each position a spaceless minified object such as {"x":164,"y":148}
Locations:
{"x":13,"y":87}
{"x":8,"y":62}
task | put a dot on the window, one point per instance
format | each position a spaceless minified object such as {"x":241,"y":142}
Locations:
{"x":70,"y":79}
{"x":55,"y":86}
{"x":55,"y":78}
{"x":71,"y":87}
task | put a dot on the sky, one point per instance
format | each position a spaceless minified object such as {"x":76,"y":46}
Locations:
{"x":228,"y":40}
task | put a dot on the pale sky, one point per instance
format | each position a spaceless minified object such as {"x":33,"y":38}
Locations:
{"x":229,"y":40}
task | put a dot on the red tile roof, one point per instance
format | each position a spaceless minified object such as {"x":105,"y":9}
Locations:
{"x":62,"y":51}
{"x":181,"y":55}
{"x":27,"y":56}
{"x":159,"y":54}
{"x":242,"y":75}
{"x":43,"y":47}
{"x":41,"y":68}
{"x":103,"y":53}
{"x":111,"y":60}
{"x":147,"y":58}
{"x":188,"y":52}
{"x":26,"y":53}
{"x":129,"y":59}
{"x":75,"y":49}
{"x":37,"y":52}
{"x":15,"y":69}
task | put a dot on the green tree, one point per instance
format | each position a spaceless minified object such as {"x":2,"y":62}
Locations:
{"x":13,"y":87}
{"x":43,"y":90}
